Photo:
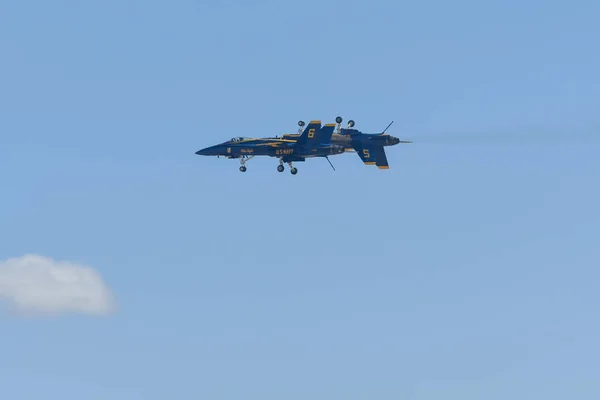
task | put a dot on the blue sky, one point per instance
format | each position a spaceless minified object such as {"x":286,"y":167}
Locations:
{"x":468,"y":270}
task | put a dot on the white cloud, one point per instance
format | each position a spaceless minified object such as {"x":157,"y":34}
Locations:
{"x":34,"y":284}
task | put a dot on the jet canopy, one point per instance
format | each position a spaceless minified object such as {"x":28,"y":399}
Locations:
{"x":238,"y":139}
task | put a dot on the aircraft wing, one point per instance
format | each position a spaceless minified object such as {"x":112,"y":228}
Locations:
{"x":373,"y":155}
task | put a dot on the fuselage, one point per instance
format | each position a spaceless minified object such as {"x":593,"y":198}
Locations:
{"x":349,"y":138}
{"x":272,"y":147}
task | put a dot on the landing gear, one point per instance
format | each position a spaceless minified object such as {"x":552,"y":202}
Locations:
{"x":293,"y":169}
{"x":339,"y":120}
{"x":243,"y":160}
{"x":280,"y":168}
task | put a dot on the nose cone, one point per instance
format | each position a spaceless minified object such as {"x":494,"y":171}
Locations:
{"x":392,"y":140}
{"x":209,"y":151}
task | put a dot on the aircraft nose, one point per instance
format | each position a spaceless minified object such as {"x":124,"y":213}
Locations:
{"x":208,"y":151}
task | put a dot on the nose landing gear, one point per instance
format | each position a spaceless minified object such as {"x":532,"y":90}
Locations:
{"x":243,"y":160}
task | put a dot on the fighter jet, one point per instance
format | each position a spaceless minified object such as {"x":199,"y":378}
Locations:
{"x":313,"y":141}
{"x":369,"y":146}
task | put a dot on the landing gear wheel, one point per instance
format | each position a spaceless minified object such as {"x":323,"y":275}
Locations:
{"x":338,"y":120}
{"x":280,"y":168}
{"x":294,"y":170}
{"x":243,"y":168}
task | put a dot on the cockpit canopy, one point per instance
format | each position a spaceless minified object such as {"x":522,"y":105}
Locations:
{"x":238,"y":139}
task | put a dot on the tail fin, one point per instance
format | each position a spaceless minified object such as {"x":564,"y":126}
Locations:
{"x":373,"y":155}
{"x":326,"y":133}
{"x":310,"y":134}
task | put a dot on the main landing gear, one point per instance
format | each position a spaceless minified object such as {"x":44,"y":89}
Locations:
{"x":293,"y":169}
{"x":339,"y":120}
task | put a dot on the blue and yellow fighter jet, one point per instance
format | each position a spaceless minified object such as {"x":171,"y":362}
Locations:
{"x":369,"y":146}
{"x":314,"y":141}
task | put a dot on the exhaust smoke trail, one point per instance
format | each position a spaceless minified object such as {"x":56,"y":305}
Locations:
{"x":531,"y":136}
